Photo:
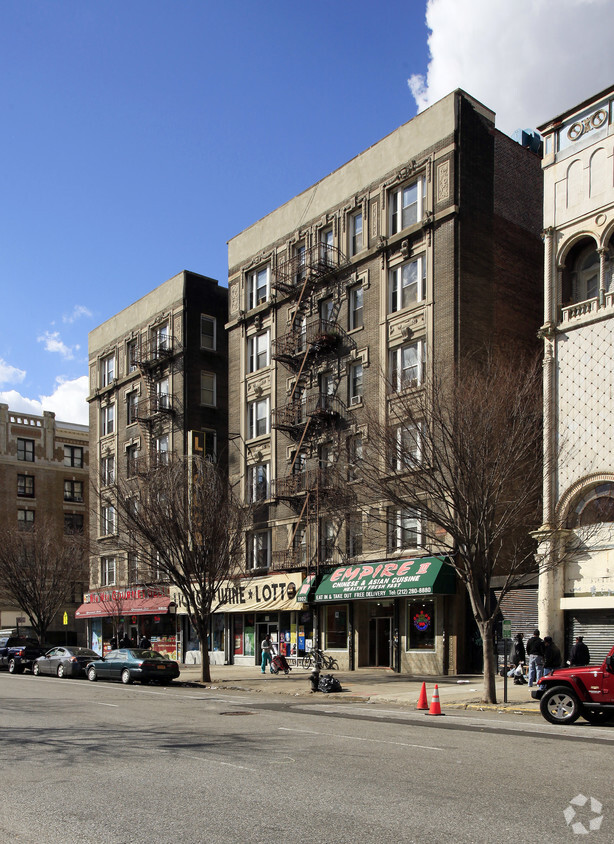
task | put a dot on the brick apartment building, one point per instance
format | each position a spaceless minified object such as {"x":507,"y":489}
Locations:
{"x":158,"y":387}
{"x":44,"y":471}
{"x":423,"y":247}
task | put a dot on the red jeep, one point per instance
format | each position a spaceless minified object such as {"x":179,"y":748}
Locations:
{"x":586,"y":690}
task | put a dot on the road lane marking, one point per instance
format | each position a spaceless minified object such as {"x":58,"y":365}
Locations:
{"x":359,"y":738}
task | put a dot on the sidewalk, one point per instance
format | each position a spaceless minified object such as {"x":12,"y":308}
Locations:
{"x":368,"y":685}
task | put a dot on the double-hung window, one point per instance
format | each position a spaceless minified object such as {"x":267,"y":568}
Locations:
{"x":132,"y":460}
{"x":406,"y":205}
{"x":257,"y":287}
{"x":258,"y":482}
{"x":161,"y":338}
{"x":108,"y":520}
{"x":326,"y":247}
{"x":25,"y":450}
{"x":25,"y":519}
{"x":161,"y":444}
{"x":356,"y":307}
{"x":132,"y":355}
{"x":73,"y":491}
{"x":107,"y":571}
{"x":258,"y":351}
{"x":132,"y":407}
{"x":208,"y":332}
{"x":208,"y":394}
{"x":107,"y":420}
{"x":25,"y":486}
{"x":406,"y":284}
{"x":356,"y":233}
{"x":356,"y":383}
{"x":73,"y":456}
{"x":404,"y":528}
{"x":355,"y":452}
{"x":259,"y":550}
{"x":406,"y":447}
{"x":163,"y":399}
{"x":354,"y":535}
{"x":258,"y":418}
{"x":107,"y":470}
{"x":73,"y":523}
{"x":107,"y":370}
{"x":406,"y":366}
{"x":300,"y":256}
{"x":133,"y":567}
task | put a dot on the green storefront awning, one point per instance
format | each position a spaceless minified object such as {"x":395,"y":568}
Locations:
{"x":388,"y":579}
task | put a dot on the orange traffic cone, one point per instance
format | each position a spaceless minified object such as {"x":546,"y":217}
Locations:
{"x":422,"y":701}
{"x":435,"y":707}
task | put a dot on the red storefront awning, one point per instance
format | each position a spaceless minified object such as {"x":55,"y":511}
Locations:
{"x":136,"y":606}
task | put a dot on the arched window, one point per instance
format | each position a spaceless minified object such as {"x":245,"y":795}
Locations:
{"x":585,"y":275}
{"x":594,"y":507}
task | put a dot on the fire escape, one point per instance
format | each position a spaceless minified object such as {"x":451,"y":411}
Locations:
{"x":314,"y":351}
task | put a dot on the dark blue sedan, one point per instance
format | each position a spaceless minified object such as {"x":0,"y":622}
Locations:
{"x":130,"y":664}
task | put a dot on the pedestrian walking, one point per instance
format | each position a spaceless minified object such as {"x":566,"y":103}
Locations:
{"x":517,"y":660}
{"x":144,"y":643}
{"x":579,"y":653}
{"x":267,"y":654}
{"x":552,"y":656}
{"x":535,"y":652}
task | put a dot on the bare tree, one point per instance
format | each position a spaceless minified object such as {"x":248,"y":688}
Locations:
{"x":185,"y":524}
{"x":463,"y":453}
{"x":39,"y":568}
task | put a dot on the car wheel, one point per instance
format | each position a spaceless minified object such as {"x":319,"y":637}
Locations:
{"x":598,"y":716}
{"x":91,"y":674}
{"x":36,"y":669}
{"x":560,"y":705}
{"x":14,"y":668}
{"x":126,"y":678}
{"x":61,"y":671}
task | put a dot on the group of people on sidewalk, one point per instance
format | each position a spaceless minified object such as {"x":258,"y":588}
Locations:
{"x":544,"y":656}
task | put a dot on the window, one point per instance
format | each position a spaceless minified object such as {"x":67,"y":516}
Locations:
{"x":258,"y":482}
{"x":107,"y":571}
{"x":421,"y":625}
{"x":108,"y":520}
{"x":354,"y":457}
{"x":585,"y":276}
{"x":131,"y":355}
{"x":25,"y":486}
{"x":208,"y":389}
{"x":107,"y":370}
{"x":208,"y":333}
{"x":595,"y":507}
{"x":73,"y":456}
{"x":355,"y":385}
{"x":163,"y":400}
{"x":356,"y":307}
{"x":406,"y":284}
{"x":299,"y":546}
{"x":73,"y":523}
{"x":300,"y":261}
{"x":132,"y":460}
{"x":25,"y":450}
{"x":132,"y":407}
{"x":406,"y":205}
{"x":161,"y":444}
{"x":161,"y":338}
{"x":326,"y":247}
{"x":258,"y":351}
{"x":336,"y":628}
{"x":259,"y":550}
{"x":355,"y":233}
{"x":326,"y":455}
{"x":327,"y":312}
{"x":328,"y":535}
{"x":258,"y":418}
{"x":406,"y":448}
{"x":406,"y":366}
{"x":404,"y":529}
{"x":107,"y":420}
{"x":133,"y":567}
{"x":257,"y":287}
{"x":73,"y":491}
{"x":25,"y":519}
{"x":354,"y":535}
{"x":327,"y":384}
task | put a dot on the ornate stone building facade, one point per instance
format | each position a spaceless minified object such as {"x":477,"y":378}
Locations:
{"x":577,"y":597}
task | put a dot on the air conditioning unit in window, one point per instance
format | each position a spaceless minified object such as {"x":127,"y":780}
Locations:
{"x":355,"y":400}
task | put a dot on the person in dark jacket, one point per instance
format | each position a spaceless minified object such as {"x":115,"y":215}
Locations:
{"x":552,"y":656}
{"x":145,"y":643}
{"x":518,"y":654}
{"x":579,"y":653}
{"x":535,"y":652}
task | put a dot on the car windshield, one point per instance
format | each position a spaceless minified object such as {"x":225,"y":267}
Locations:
{"x":84,"y":652}
{"x":143,"y":654}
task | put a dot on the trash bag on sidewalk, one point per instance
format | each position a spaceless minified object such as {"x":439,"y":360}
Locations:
{"x":328,"y":684}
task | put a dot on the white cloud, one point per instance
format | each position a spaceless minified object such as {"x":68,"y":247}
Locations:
{"x":10,"y":374}
{"x":77,"y":312}
{"x":528,"y":60}
{"x":68,"y":401}
{"x":53,"y":343}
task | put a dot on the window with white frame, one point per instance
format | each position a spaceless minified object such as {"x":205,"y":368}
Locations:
{"x":259,"y":549}
{"x":355,"y":233}
{"x":406,"y":284}
{"x":133,"y":567}
{"x":258,"y":482}
{"x":107,"y":420}
{"x":328,"y":535}
{"x":299,"y":545}
{"x":163,"y":399}
{"x":208,"y":389}
{"x":161,"y":337}
{"x":355,"y":452}
{"x":327,"y":310}
{"x":326,"y":247}
{"x":161,"y":444}
{"x":356,"y":318}
{"x":108,"y":520}
{"x":107,"y":470}
{"x":107,"y":571}
{"x":406,"y":366}
{"x":132,"y":407}
{"x":300,"y":255}
{"x":406,"y":205}
{"x":132,"y":460}
{"x":354,"y":535}
{"x":406,"y":447}
{"x":131,"y":355}
{"x":326,"y":382}
{"x":258,"y":418}
{"x":258,"y":348}
{"x":107,"y":370}
{"x":355,"y":383}
{"x":404,"y":528}
{"x":258,"y":286}
{"x":208,"y":332}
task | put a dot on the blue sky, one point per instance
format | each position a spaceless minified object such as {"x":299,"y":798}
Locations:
{"x":139,"y":136}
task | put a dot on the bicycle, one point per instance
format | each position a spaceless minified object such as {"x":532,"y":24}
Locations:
{"x":316,"y":658}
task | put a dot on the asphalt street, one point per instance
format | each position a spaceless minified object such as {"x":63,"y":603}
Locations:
{"x":85,"y":762}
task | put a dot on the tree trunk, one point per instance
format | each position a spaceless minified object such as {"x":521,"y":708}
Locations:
{"x":489,"y":691}
{"x":205,"y":674}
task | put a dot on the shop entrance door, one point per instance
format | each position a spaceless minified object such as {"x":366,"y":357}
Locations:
{"x":380,"y":642}
{"x":262,"y":628}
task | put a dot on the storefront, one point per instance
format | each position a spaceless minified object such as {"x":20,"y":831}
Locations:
{"x":141,"y":611}
{"x":389,"y":614}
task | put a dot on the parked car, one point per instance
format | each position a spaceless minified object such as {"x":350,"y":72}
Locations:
{"x":586,"y":691}
{"x":18,"y":653}
{"x":130,"y":664}
{"x":64,"y":661}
